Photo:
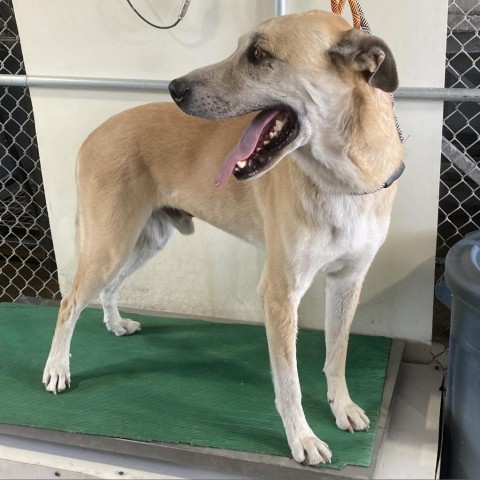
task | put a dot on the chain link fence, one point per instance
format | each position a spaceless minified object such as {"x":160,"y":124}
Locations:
{"x":27,"y":260}
{"x":459,"y":205}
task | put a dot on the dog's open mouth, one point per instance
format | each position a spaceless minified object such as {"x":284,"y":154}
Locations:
{"x":268,"y":133}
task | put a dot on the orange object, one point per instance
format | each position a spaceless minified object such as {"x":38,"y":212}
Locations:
{"x":337,"y":7}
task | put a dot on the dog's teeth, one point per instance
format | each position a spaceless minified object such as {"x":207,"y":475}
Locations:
{"x":273,"y":134}
{"x":279,"y":124}
{"x":242,"y":164}
{"x":266,"y":142}
{"x":258,"y":149}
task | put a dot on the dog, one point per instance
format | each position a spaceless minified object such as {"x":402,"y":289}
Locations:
{"x":289,"y":143}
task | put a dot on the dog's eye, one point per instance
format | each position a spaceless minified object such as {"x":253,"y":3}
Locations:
{"x":257,"y":54}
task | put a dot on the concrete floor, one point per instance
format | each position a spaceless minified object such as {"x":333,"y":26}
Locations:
{"x":409,"y":449}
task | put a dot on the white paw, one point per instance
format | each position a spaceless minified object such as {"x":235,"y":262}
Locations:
{"x":350,"y":416}
{"x":56,"y":377}
{"x":310,"y":450}
{"x":123,"y":326}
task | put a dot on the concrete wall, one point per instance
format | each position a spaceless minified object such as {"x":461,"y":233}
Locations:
{"x":212,"y":273}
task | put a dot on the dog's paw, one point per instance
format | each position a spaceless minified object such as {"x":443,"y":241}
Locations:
{"x":350,"y":416}
{"x":56,"y":378}
{"x":310,"y":450}
{"x":123,"y":326}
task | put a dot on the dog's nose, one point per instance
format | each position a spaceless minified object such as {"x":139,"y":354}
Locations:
{"x":179,"y":90}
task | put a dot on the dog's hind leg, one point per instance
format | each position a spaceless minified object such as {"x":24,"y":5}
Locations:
{"x":155,"y":235}
{"x":342,"y":295}
{"x":101,"y":255}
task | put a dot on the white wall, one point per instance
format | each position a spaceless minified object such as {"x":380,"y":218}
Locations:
{"x":212,"y":273}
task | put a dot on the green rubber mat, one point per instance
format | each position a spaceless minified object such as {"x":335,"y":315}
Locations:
{"x":180,"y":381}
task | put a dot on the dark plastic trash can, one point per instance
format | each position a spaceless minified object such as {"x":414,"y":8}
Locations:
{"x":461,"y":445}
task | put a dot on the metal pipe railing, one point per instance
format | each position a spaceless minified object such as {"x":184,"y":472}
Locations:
{"x":86,"y":83}
{"x":90,"y":83}
{"x":443,"y":94}
{"x":280,"y":7}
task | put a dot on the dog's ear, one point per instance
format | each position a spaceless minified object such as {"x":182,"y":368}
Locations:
{"x":369,"y":55}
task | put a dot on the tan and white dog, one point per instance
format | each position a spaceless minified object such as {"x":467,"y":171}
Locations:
{"x":320,"y":88}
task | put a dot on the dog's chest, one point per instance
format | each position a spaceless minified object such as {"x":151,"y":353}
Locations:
{"x":341,"y":230}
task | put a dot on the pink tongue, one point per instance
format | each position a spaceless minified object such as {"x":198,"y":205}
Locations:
{"x":246,"y":145}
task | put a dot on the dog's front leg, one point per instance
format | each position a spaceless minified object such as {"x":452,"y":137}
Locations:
{"x":280,"y":302}
{"x":342,"y":294}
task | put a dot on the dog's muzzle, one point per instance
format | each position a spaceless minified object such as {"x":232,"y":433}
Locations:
{"x":265,"y":139}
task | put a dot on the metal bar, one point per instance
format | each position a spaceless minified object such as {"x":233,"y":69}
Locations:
{"x":462,"y":160}
{"x":280,"y":7}
{"x":443,"y":94}
{"x":88,"y":83}
{"x":83,"y":83}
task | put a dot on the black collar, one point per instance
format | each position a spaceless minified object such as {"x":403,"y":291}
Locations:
{"x":387,"y":182}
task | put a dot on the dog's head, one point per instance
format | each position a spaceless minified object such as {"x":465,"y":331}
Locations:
{"x":294,"y":69}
